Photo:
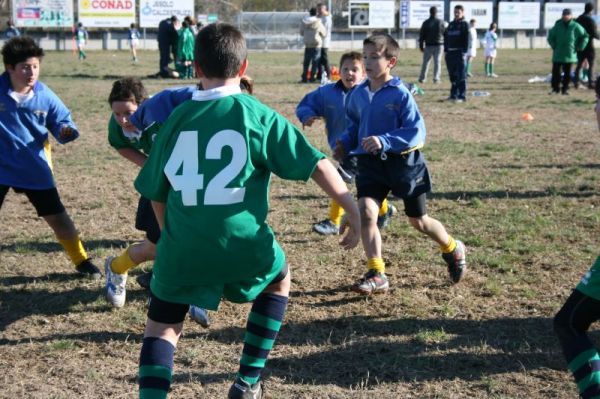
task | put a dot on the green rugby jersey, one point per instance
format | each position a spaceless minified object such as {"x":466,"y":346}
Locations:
{"x":119,"y":139}
{"x":211,"y":164}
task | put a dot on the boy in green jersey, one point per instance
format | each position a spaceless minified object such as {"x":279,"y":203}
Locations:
{"x":208,"y":178}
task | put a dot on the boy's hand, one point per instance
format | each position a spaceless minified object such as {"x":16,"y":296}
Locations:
{"x":339,"y":152}
{"x":309,"y":122}
{"x":65,"y":132}
{"x":351,"y":225}
{"x":371,"y":144}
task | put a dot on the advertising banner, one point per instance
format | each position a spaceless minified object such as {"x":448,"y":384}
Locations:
{"x":106,"y":13}
{"x":42,"y":13}
{"x":371,"y":14}
{"x":518,"y":15}
{"x":418,"y":11}
{"x":154,"y":11}
{"x":553,"y":12}
{"x":481,"y":11}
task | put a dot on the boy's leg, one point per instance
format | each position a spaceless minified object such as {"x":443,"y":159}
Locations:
{"x":570,"y":325}
{"x":332,"y":224}
{"x":163,"y":329}
{"x":3,"y":192}
{"x":555,"y":82}
{"x":453,"y":251}
{"x":264,"y":322}
{"x":49,"y":206}
{"x":305,"y":64}
{"x":375,"y":280}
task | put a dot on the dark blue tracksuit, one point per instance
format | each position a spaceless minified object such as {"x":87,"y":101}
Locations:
{"x":456,"y":42}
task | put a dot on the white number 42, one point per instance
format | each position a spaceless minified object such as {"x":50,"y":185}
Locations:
{"x":185,"y":158}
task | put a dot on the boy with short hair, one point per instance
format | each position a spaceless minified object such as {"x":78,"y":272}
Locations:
{"x":29,"y":111}
{"x":328,"y":102}
{"x":385,"y":130}
{"x":208,"y":177}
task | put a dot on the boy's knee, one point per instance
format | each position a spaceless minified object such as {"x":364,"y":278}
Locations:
{"x":369,"y":211}
{"x":281,"y":287}
{"x":419,"y":223}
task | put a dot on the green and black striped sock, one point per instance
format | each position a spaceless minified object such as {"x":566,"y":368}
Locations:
{"x":156,"y":368}
{"x":263,"y":325}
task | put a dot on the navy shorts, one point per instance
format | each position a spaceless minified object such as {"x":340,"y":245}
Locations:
{"x":405,"y":176}
{"x":173,"y":313}
{"x":46,"y":202}
{"x":145,"y":220}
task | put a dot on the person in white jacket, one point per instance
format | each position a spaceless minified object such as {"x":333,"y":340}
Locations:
{"x":313,"y":32}
{"x":327,"y":22}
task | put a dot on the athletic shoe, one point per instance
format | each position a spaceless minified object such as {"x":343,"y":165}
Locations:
{"x":326,"y":227}
{"x":470,"y":75}
{"x":372,"y":282}
{"x":115,"y":285}
{"x":384,"y":220}
{"x":242,"y":390}
{"x":457,"y":262}
{"x":421,"y":81}
{"x":199,"y":315}
{"x":144,"y":280}
{"x":493,"y":75}
{"x":87,"y":268}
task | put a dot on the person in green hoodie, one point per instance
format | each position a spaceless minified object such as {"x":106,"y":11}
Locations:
{"x":565,"y":38}
{"x":185,"y":52}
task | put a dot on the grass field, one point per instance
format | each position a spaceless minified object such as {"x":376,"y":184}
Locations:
{"x":523,"y":196}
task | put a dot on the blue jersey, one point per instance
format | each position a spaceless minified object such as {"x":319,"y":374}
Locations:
{"x":159,"y":107}
{"x":390,"y":113}
{"x":327,"y":102}
{"x":24,"y":130}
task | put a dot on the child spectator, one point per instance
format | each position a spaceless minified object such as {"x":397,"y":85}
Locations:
{"x":185,"y":52}
{"x":208,"y":177}
{"x":81,"y":38}
{"x":473,"y":44}
{"x":328,"y":102}
{"x":30,"y":111}
{"x":134,"y":41}
{"x":385,"y":130}
{"x":127,"y":96}
{"x":491,"y":43}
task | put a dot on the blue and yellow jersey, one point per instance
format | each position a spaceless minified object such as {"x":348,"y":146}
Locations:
{"x":390,"y":113}
{"x":24,"y":130}
{"x":327,"y":102}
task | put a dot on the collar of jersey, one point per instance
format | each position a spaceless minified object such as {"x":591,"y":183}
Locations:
{"x":394,"y":81}
{"x":216,"y":93}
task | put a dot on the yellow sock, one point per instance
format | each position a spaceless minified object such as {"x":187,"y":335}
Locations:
{"x":451,"y":246}
{"x":376,"y":264}
{"x":336,"y":212}
{"x":122,"y":263}
{"x":74,"y":249}
{"x":383,"y":208}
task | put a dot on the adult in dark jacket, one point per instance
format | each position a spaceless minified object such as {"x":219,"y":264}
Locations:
{"x":431,"y":44}
{"x":167,"y":41}
{"x":588,"y":52}
{"x":565,"y":38}
{"x":456,"y":43}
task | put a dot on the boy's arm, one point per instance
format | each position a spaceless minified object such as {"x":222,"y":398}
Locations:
{"x":159,"y":212}
{"x":133,"y":155}
{"x":408,"y":137}
{"x":59,"y":122}
{"x":310,"y":108}
{"x":330,"y":181}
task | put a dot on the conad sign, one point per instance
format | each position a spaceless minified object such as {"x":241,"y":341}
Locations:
{"x":107,"y":13}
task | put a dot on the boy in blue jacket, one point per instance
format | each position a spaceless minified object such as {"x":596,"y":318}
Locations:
{"x":385,"y":130}
{"x":29,"y":111}
{"x":328,"y":102}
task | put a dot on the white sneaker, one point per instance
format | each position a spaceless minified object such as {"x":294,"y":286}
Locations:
{"x":115,"y":285}
{"x":199,"y":315}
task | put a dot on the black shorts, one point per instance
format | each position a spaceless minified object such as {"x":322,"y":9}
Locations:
{"x":405,"y":176}
{"x":173,"y":313}
{"x":145,"y":220}
{"x":46,"y":202}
